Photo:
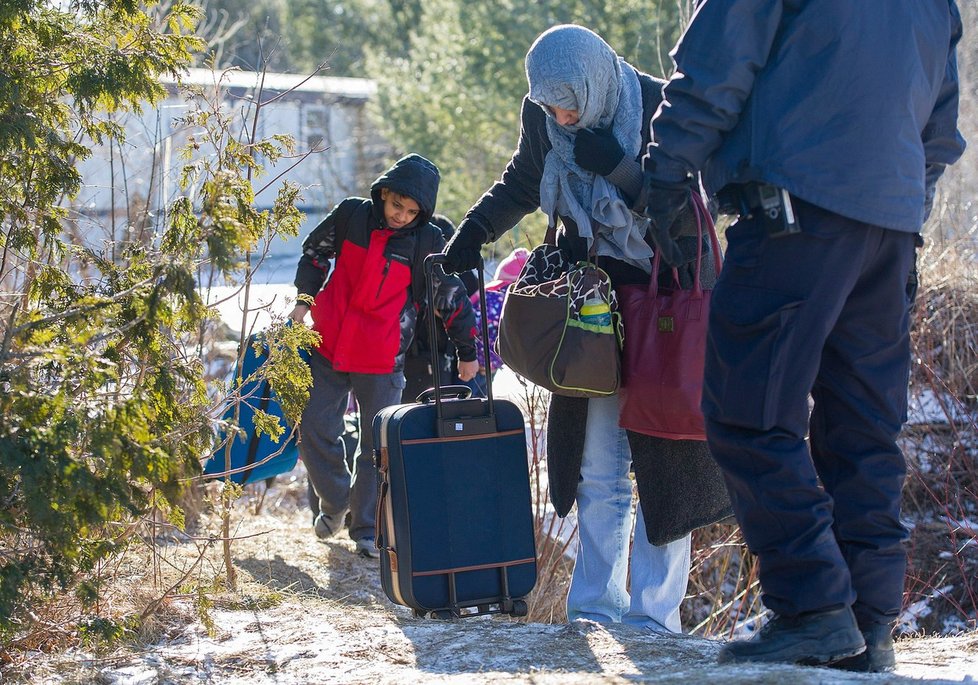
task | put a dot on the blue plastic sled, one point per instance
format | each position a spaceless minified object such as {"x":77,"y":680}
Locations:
{"x":252,"y":448}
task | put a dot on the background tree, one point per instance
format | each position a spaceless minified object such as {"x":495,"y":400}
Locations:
{"x":300,"y":35}
{"x":450,"y":73}
{"x":455,"y":95}
{"x":104,"y":413}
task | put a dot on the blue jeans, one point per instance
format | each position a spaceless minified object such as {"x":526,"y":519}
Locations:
{"x":599,"y":588}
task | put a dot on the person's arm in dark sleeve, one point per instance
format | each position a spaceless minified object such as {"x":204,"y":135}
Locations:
{"x":318,"y":248}
{"x":943,"y":143}
{"x":455,"y":310}
{"x":313,"y":269}
{"x":717,"y":60}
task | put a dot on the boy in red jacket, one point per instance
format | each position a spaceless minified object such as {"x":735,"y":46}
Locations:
{"x":366,"y":312}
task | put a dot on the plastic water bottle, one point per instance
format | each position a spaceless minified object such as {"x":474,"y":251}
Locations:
{"x":596,"y":311}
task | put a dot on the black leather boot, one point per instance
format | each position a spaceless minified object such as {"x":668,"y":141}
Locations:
{"x":879,"y":656}
{"x":815,"y":638}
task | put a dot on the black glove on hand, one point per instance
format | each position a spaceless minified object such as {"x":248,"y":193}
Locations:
{"x":668,"y":206}
{"x":464,"y":250}
{"x":597,"y":151}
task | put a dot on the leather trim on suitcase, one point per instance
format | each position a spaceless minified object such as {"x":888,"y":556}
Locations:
{"x":392,"y":555}
{"x":401,"y":588}
{"x":480,"y":567}
{"x":467,"y":438}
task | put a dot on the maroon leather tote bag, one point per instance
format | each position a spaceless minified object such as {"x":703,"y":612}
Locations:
{"x":664,"y":349}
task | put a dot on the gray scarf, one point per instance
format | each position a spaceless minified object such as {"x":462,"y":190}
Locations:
{"x":571,"y":67}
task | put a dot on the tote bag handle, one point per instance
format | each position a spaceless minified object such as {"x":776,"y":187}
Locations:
{"x":702,"y":217}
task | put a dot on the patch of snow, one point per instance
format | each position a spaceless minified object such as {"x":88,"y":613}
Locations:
{"x":927,"y":407}
{"x":964,"y":525}
{"x":907,"y":623}
{"x":265,"y":303}
{"x":132,"y":675}
{"x":748,"y":627}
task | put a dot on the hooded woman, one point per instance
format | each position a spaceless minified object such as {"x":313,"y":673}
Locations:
{"x":584,"y":124}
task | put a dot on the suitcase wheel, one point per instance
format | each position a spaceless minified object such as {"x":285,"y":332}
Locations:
{"x":445,"y":614}
{"x":519,"y":608}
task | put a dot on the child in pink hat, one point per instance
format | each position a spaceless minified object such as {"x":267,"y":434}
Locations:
{"x":507,"y":272}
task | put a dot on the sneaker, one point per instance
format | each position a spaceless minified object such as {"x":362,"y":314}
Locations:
{"x":814,"y":639}
{"x":325,"y":526}
{"x":879,"y":656}
{"x":367,"y":548}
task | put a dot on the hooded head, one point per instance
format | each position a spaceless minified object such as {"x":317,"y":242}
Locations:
{"x":444,"y":225}
{"x":570,"y":68}
{"x":412,"y":177}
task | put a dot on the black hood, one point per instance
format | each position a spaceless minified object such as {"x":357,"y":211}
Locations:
{"x":414,"y":176}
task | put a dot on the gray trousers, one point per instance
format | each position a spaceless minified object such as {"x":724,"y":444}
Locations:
{"x":321,"y":444}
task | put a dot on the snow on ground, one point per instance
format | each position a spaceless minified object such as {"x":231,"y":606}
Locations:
{"x":927,"y":407}
{"x":309,"y":611}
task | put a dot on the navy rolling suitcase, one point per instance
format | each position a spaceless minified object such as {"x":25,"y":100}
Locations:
{"x":454,"y":523}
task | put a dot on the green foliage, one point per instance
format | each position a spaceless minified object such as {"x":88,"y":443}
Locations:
{"x":97,"y":630}
{"x":96,"y":411}
{"x":322,"y":31}
{"x":303,"y":36}
{"x":287,"y":373}
{"x":202,"y":606}
{"x":61,"y":70}
{"x":104,"y":412}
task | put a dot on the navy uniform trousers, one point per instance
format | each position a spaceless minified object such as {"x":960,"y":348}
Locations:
{"x":825,"y":313}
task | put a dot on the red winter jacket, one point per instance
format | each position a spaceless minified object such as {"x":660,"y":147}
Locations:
{"x":367,"y":310}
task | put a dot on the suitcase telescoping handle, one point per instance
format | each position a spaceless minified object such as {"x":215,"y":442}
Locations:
{"x":429,"y":265}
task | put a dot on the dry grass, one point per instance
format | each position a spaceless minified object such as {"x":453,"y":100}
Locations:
{"x":945,"y":327}
{"x":136,"y":589}
{"x":941,"y":494}
{"x":723,"y":587}
{"x":554,"y":536}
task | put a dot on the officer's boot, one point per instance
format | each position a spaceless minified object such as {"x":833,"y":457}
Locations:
{"x":879,"y":656}
{"x":814,"y":638}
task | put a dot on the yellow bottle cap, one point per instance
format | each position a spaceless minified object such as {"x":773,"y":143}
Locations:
{"x":595,"y":309}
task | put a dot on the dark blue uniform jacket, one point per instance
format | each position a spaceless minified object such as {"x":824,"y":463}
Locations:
{"x":763,"y":92}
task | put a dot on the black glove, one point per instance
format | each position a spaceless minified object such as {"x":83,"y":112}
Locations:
{"x":668,"y":206}
{"x":597,"y":151}
{"x":464,"y":250}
